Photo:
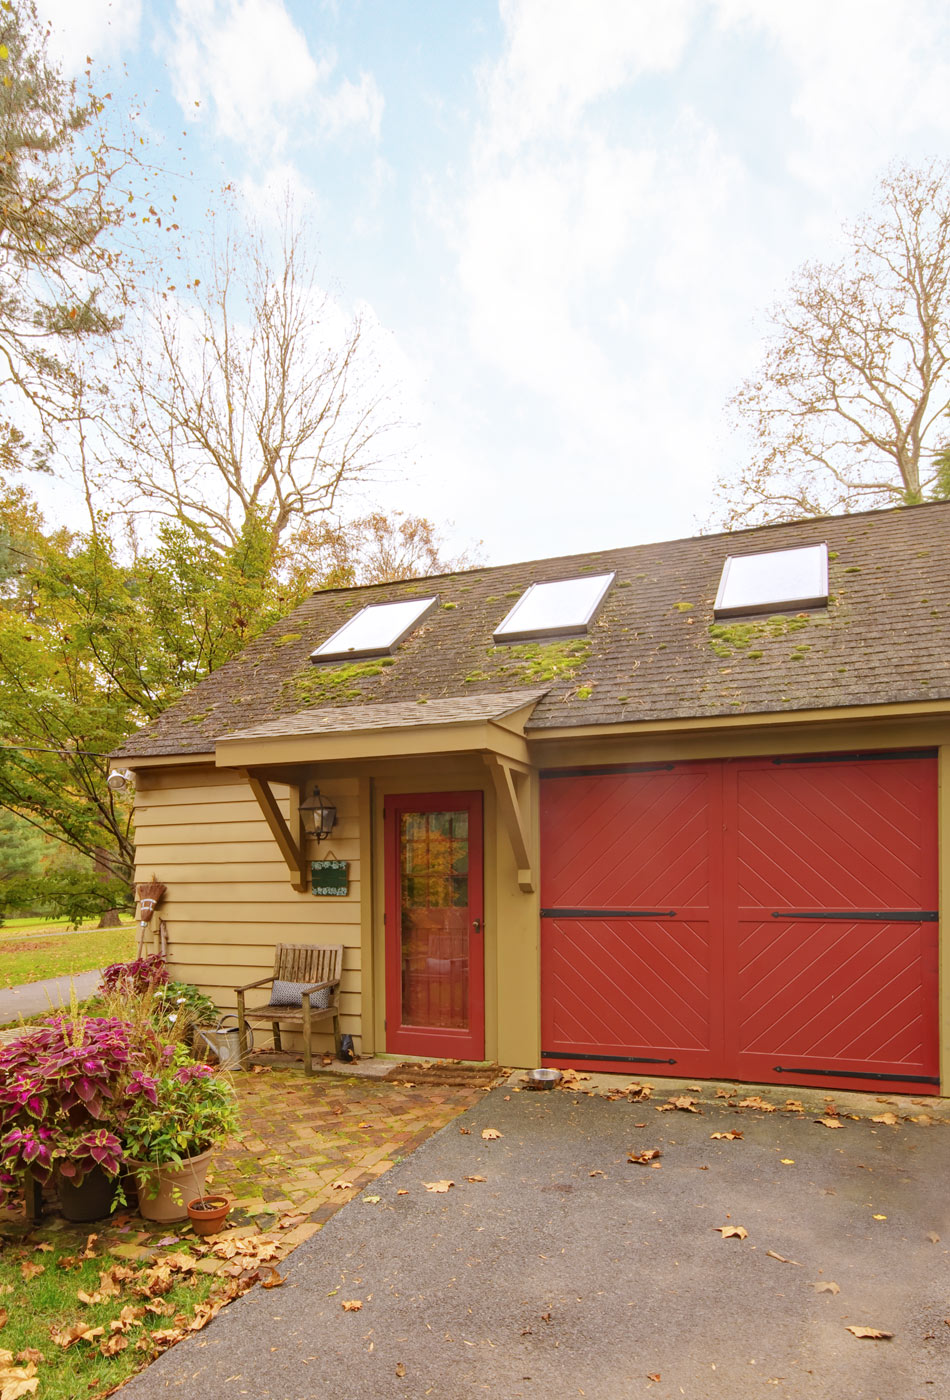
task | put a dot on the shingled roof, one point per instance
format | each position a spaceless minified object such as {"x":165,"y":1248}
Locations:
{"x":654,"y":652}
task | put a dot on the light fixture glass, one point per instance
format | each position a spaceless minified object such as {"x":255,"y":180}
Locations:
{"x":119,"y":779}
{"x":319,"y":815}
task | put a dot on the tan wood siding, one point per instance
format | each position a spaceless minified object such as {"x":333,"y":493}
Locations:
{"x":229,"y":899}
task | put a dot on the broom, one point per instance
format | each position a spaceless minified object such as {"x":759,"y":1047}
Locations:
{"x":148,"y":896}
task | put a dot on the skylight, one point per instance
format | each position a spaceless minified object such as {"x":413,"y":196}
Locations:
{"x":560,"y":609}
{"x":779,"y":581}
{"x":374,"y":631}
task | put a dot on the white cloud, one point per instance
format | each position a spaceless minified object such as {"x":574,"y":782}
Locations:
{"x":250,"y":63}
{"x":101,"y":29}
{"x":644,"y":179}
{"x":562,"y":56}
{"x":871,"y":79}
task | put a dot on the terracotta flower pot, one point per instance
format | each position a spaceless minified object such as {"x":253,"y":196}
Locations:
{"x":208,"y":1214}
{"x":164,"y":1188}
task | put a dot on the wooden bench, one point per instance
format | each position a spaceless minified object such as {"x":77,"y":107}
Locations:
{"x":313,"y":969}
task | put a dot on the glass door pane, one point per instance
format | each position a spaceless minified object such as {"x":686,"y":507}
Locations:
{"x":434,"y":866}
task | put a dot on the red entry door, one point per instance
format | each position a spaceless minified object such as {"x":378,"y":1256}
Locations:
{"x":435,"y":964}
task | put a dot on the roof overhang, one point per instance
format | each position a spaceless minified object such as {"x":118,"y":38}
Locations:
{"x":483,"y":724}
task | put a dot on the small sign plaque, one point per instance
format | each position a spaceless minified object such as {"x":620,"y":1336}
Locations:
{"x":330,"y":876}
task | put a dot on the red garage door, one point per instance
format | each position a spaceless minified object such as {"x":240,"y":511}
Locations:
{"x":771,"y":920}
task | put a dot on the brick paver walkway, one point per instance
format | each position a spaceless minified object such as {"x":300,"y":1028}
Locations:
{"x":301,"y":1139}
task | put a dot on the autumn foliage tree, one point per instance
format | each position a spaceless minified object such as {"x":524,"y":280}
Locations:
{"x":848,"y":410}
{"x":62,"y":278}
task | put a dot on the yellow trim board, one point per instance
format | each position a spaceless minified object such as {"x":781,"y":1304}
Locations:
{"x":846,"y":714}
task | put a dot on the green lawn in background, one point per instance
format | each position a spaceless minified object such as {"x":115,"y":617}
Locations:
{"x":31,"y":959}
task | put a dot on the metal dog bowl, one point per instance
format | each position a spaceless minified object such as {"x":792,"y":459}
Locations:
{"x":543,"y":1078}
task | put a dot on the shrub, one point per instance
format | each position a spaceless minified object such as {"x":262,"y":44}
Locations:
{"x":138,"y":978}
{"x":65,"y":1092}
{"x":194,"y":1108}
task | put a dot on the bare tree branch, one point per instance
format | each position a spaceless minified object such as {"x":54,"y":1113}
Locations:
{"x":253,"y":397}
{"x":847,"y":410}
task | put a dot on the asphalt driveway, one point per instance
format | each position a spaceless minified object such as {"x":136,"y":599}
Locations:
{"x":570,"y":1271}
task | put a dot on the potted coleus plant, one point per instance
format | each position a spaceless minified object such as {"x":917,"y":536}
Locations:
{"x":65,"y":1091}
{"x":168,"y":1140}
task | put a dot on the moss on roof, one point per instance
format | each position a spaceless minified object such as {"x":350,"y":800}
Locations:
{"x":885,"y":637}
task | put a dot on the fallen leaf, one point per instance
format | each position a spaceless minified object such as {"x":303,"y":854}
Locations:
{"x":731,"y":1135}
{"x":646,"y":1157}
{"x":476,"y":1178}
{"x":653,"y":1375}
{"x":933,"y":1237}
{"x":880,"y":1217}
{"x":287,"y":1222}
{"x":826,"y":1286}
{"x":165,"y":1336}
{"x":4,"y":1317}
{"x":788,"y":1161}
{"x":466,"y":1132}
{"x":490,"y":1134}
{"x":166,"y":1240}
{"x":874,"y":1334}
{"x":351,"y":1304}
{"x":31,"y":1356}
{"x":732,"y":1232}
{"x":598,"y":1172}
{"x":372,"y":1200}
{"x":683,"y":1103}
{"x":889,"y":1118}
{"x":724,"y":1093}
{"x":830,"y":1122}
{"x":15,"y":1382}
{"x":756,"y":1102}
{"x":76,"y":1332}
{"x":30,"y":1270}
{"x":274,"y":1280}
{"x":438,"y":1185}
{"x":794,"y":1106}
{"x":111,"y":1346}
{"x":44,"y":1247}
{"x":402,"y":1193}
{"x":342,"y":1186}
{"x":128,"y":1317}
{"x":89,"y":1252}
{"x":400,"y":1369}
{"x":635,"y":1092}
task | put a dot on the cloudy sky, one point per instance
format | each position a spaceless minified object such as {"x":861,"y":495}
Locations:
{"x":566,"y":218}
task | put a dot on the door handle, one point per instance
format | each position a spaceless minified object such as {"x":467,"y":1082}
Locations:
{"x":477,"y":925}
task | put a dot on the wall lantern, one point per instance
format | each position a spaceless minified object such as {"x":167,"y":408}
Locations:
{"x":319,"y":816}
{"x":119,"y":779}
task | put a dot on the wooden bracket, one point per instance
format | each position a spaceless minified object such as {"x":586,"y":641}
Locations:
{"x":287,"y":834}
{"x":512,"y":790}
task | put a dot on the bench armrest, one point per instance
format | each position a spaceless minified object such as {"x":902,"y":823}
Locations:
{"x":261,"y":981}
{"x":318,"y":986}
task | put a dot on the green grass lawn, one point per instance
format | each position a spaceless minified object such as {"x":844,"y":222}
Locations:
{"x":45,"y":1277}
{"x":31,"y":959}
